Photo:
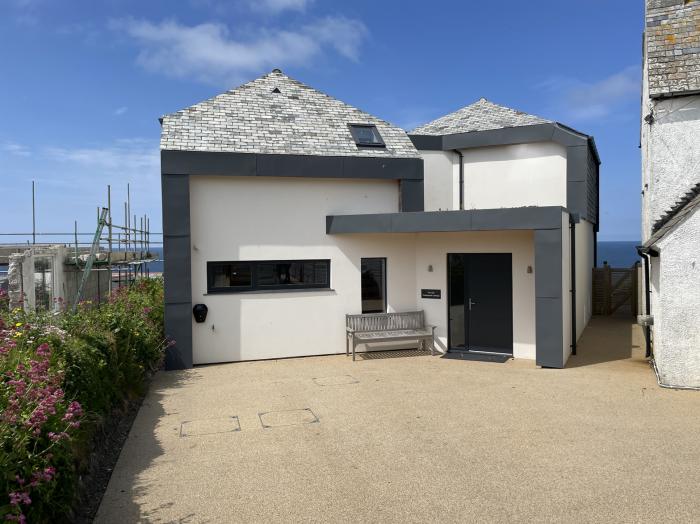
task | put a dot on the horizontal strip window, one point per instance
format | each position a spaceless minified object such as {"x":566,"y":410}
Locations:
{"x":263,"y":275}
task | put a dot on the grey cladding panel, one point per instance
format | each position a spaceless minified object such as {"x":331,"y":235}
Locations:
{"x":208,"y":163}
{"x":195,"y":163}
{"x":358,"y":224}
{"x":577,"y":163}
{"x":411,"y":195}
{"x":176,"y":204}
{"x":389,"y":168}
{"x":178,"y":327}
{"x":510,"y":135}
{"x":300,"y":166}
{"x":592,"y":184}
{"x":548,"y":297}
{"x":176,"y":253}
{"x":549,"y":336}
{"x":526,"y":218}
{"x":548,"y":263}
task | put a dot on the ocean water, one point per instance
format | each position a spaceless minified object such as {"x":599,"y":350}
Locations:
{"x":618,"y":254}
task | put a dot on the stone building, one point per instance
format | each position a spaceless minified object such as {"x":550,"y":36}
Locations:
{"x":670,"y":144}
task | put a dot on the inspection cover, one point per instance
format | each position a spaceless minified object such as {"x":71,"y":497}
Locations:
{"x":210,"y":426}
{"x":337,"y":380}
{"x":291,"y":417}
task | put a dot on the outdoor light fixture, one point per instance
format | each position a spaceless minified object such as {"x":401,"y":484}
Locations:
{"x":200,"y":312}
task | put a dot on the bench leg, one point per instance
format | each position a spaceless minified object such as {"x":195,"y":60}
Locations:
{"x":432,"y":346}
{"x":353,"y":350}
{"x":347,"y":344}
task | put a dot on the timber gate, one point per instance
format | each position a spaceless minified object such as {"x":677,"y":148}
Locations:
{"x":615,"y":290}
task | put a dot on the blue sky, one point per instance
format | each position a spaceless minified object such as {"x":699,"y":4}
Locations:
{"x":84,"y":82}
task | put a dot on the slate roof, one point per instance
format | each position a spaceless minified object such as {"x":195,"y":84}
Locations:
{"x":482,"y":115}
{"x":276,"y":114}
{"x":673,"y":46}
{"x":673,"y":216}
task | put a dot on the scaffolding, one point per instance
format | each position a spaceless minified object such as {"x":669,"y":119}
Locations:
{"x":122,"y":250}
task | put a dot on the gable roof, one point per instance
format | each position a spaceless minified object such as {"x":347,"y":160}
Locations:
{"x":676,"y":214}
{"x":482,"y":115}
{"x":276,"y":114}
{"x":672,"y":46}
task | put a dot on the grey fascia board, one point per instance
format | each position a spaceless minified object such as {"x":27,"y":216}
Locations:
{"x":427,"y":142}
{"x":577,"y":145}
{"x":525,"y":218}
{"x":551,"y":131}
{"x":220,"y":163}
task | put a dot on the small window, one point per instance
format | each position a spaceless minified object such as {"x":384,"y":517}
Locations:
{"x":236,"y":277}
{"x":366,"y":135}
{"x":229,"y":275}
{"x":373,"y":285}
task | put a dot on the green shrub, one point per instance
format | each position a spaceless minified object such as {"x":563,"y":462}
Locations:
{"x":61,"y":375}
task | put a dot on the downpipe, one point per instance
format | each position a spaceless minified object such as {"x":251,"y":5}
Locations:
{"x":461,"y":178}
{"x":644,"y":254}
{"x":572,"y":241}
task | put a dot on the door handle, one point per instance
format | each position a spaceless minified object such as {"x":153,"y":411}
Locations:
{"x":471,"y":303}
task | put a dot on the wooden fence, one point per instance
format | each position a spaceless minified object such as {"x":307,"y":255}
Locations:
{"x":615,"y":290}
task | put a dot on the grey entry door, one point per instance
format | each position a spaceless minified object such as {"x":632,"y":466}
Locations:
{"x":480,"y":302}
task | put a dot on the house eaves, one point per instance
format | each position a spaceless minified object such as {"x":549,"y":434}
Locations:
{"x":674,"y":216}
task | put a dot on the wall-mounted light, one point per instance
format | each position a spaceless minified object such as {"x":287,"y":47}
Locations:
{"x":529,"y":269}
{"x":430,"y":268}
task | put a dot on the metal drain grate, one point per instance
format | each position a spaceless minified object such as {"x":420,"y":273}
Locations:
{"x":211,"y":426}
{"x":337,"y":380}
{"x":290,"y":417}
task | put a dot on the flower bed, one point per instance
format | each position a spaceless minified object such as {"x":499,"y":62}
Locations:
{"x":61,"y":376}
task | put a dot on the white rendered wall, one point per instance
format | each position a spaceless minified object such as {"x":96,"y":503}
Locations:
{"x":566,"y":285}
{"x":441,"y":177}
{"x":252,"y":218}
{"x":432,"y":250}
{"x":230,"y":221}
{"x":585,"y":240}
{"x":515,"y":176}
{"x":670,"y":154}
{"x":676,"y":304}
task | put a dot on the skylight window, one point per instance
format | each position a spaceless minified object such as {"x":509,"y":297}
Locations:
{"x":366,"y":135}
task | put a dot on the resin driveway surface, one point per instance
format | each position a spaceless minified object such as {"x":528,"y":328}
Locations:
{"x":414,"y":439}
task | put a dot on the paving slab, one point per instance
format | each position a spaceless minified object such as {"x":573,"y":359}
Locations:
{"x":415,"y":439}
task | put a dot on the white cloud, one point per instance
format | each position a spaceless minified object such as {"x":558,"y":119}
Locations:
{"x":581,"y":100}
{"x":120,"y":111}
{"x":208,"y":52}
{"x":14,"y":148}
{"x":129,"y":156}
{"x":277,"y":6}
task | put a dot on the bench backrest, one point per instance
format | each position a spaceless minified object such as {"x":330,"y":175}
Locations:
{"x":385,"y":321}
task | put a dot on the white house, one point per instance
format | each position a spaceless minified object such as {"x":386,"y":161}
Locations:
{"x":671,"y":188}
{"x":285,"y":209}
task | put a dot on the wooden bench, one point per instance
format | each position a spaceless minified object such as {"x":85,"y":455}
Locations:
{"x":388,"y":327}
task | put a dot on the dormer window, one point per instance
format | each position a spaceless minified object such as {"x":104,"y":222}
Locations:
{"x":366,"y":135}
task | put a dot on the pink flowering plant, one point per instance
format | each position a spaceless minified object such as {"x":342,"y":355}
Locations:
{"x":37,"y":423}
{"x":61,"y":375}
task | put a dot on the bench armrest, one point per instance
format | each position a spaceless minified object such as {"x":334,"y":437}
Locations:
{"x":349,"y":330}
